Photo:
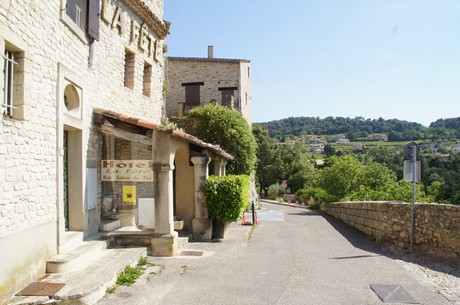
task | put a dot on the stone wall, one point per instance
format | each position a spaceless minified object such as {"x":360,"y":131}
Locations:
{"x":437,"y":226}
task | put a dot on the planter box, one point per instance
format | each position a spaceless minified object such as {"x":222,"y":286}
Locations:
{"x":178,"y":225}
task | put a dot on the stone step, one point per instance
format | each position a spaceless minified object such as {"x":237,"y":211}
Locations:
{"x":72,"y":240}
{"x":89,"y":282}
{"x":182,"y":243}
{"x":109,"y":225}
{"x":72,"y":259}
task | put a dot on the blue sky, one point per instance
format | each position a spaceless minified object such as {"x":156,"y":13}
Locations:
{"x":369,"y":58}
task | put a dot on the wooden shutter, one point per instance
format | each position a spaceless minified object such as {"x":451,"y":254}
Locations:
{"x":227,"y":97}
{"x":93,"y":19}
{"x":71,"y":9}
{"x":192,"y":95}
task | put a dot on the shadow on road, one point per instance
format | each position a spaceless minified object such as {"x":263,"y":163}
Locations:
{"x":367,"y":243}
{"x":305,"y":213}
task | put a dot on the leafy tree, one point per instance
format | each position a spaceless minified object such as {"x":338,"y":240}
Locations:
{"x":267,"y":163}
{"x":340,"y":178}
{"x":227,"y":128}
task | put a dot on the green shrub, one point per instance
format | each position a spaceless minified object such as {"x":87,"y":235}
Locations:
{"x":227,"y":128}
{"x":319,"y":195}
{"x":276,"y":191}
{"x":226,"y":196}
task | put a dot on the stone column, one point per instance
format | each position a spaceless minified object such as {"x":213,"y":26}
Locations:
{"x":223,"y":163}
{"x":219,"y":167}
{"x":164,"y":242}
{"x":201,"y":224}
{"x":163,"y":198}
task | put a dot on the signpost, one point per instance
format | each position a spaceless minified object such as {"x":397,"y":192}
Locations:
{"x":411,"y":154}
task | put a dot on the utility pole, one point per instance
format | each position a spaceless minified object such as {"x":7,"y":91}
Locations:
{"x":411,"y":174}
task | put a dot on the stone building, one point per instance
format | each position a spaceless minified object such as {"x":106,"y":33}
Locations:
{"x":197,"y":81}
{"x":82,"y":147}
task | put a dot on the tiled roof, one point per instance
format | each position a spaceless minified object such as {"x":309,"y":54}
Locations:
{"x":157,"y":127}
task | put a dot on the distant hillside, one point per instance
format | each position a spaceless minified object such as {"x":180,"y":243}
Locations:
{"x":360,"y":128}
{"x":453,"y":123}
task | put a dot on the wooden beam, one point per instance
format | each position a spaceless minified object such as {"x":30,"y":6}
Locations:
{"x":125,"y":135}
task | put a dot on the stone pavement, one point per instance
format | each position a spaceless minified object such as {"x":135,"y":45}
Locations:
{"x":294,"y":256}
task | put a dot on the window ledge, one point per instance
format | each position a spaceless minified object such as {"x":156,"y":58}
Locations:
{"x":73,"y":27}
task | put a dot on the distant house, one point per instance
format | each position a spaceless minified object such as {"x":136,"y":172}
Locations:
{"x":197,"y":81}
{"x":455,"y":148}
{"x":439,"y":155}
{"x":343,"y":141}
{"x":379,"y":137}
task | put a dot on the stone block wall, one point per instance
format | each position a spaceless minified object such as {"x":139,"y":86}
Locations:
{"x":437,"y":228}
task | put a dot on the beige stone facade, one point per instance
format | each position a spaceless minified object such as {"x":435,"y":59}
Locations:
{"x":213,"y":80}
{"x":56,"y":74}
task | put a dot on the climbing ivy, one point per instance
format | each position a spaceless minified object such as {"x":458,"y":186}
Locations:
{"x":228,"y":129}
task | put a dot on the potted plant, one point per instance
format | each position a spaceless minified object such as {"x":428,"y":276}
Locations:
{"x":178,"y":224}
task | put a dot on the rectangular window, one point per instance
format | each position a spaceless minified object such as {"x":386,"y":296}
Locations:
{"x":8,"y":88}
{"x":82,"y":16}
{"x":130,"y":60}
{"x":147,"y":90}
{"x":228,"y":96}
{"x":192,"y":96}
{"x":76,"y":10}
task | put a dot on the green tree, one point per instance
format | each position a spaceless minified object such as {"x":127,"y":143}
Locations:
{"x":227,"y":128}
{"x":340,"y":178}
{"x":266,"y":162}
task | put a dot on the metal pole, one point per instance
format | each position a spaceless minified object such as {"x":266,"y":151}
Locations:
{"x":253,"y":214}
{"x":414,"y":181}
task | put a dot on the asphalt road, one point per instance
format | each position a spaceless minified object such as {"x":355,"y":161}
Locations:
{"x":294,"y":256}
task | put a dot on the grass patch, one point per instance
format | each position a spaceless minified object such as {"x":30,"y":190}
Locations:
{"x":111,"y":289}
{"x":129,"y":275}
{"x":251,"y":232}
{"x":184,"y":268}
{"x":143,"y":261}
{"x":153,"y":273}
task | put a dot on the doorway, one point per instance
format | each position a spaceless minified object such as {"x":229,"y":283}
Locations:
{"x":66,"y":180}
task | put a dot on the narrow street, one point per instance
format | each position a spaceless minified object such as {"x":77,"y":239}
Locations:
{"x":294,"y":256}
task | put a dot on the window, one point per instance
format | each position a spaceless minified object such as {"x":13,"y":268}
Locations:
{"x":76,"y":10}
{"x":147,"y":90}
{"x":12,"y":97}
{"x":81,"y":16}
{"x":228,"y":96}
{"x":130,"y":60}
{"x":192,"y":94}
{"x":8,"y":87}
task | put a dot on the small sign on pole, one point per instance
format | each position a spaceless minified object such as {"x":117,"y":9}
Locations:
{"x":409,"y":171}
{"x":412,"y":174}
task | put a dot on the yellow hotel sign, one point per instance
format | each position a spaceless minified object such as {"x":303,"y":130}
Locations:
{"x":127,"y":170}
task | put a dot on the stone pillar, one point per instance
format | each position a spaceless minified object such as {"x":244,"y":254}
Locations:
{"x":165,"y":240}
{"x":163,"y":198}
{"x":201,"y":224}
{"x":219,"y":167}
{"x":223,"y":163}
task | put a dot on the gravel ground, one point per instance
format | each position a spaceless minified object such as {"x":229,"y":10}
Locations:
{"x":441,"y":274}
